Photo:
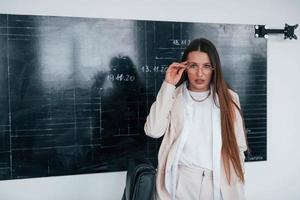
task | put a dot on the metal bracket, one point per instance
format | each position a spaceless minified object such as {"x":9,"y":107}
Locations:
{"x":288,"y":31}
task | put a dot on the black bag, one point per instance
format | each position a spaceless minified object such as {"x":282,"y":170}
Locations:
{"x":140,"y":181}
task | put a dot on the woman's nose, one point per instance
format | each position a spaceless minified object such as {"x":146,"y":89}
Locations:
{"x":199,"y":71}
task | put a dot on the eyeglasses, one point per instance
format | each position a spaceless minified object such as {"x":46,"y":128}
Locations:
{"x":194,"y":67}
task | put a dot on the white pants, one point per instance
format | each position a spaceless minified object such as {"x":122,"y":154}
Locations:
{"x":194,"y":184}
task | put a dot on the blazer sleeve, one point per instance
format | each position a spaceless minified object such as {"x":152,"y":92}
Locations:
{"x":158,"y":119}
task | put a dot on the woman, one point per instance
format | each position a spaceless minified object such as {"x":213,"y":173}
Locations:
{"x":201,"y":156}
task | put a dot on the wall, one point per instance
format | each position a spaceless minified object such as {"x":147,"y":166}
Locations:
{"x":276,"y":178}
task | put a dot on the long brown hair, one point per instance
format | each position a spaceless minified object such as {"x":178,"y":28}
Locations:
{"x":230,"y":150}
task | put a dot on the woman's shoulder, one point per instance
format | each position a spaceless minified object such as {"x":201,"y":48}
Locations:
{"x":233,"y":93}
{"x":235,"y":96}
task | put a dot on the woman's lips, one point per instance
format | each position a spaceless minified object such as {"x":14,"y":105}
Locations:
{"x":199,"y":81}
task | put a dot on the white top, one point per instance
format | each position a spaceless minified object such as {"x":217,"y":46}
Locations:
{"x":198,"y":149}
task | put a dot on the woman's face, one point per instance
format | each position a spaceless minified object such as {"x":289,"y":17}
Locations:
{"x":199,"y":71}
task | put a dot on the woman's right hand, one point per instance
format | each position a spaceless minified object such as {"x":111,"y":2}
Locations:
{"x":174,"y":72}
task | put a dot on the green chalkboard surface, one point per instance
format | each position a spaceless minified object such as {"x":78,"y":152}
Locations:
{"x":75,"y":92}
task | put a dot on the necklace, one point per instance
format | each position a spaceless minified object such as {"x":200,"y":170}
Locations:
{"x":199,"y":100}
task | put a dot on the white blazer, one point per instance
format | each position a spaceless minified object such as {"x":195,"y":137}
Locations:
{"x":166,"y":118}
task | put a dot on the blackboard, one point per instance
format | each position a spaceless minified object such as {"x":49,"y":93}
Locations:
{"x":75,"y":92}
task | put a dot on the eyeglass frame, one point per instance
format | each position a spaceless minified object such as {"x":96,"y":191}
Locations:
{"x":211,"y":68}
